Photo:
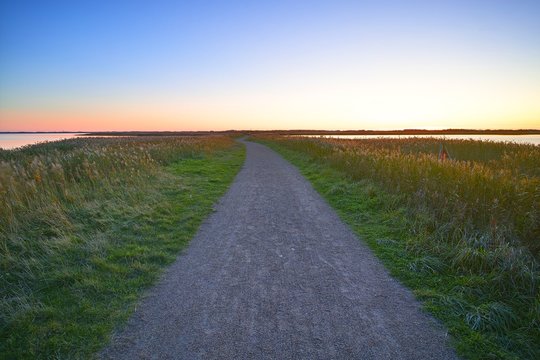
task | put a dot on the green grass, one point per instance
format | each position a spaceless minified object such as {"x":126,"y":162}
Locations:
{"x":485,"y":320}
{"x":72,"y":271}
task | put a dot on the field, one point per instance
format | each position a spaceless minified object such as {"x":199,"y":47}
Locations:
{"x":463,"y":233}
{"x":86,"y":225}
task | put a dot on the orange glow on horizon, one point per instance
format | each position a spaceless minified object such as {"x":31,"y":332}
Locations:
{"x":49,"y":121}
{"x":340,"y":101}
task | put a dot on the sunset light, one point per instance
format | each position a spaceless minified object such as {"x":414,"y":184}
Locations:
{"x":233,"y":65}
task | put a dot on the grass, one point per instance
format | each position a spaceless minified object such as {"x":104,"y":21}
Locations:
{"x":462,"y":234}
{"x":89,"y":224}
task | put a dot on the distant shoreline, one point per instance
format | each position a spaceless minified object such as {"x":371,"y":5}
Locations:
{"x":293,"y":132}
{"x":407,"y":132}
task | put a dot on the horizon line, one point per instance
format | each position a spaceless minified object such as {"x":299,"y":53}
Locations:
{"x":275,"y":130}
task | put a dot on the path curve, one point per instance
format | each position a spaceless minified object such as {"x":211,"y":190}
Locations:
{"x":275,"y":274}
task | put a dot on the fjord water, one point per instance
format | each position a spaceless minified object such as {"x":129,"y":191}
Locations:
{"x":12,"y":141}
{"x":520,"y":139}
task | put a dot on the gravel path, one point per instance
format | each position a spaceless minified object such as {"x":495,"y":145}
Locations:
{"x":275,"y":274}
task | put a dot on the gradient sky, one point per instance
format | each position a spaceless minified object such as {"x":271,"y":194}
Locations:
{"x":202,"y":65}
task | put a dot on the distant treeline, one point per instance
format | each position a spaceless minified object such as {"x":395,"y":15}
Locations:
{"x":402,"y":132}
{"x":303,"y":132}
{"x":326,"y":132}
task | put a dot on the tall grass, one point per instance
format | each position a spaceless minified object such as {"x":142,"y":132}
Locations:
{"x":39,"y":178}
{"x":476,"y":215}
{"x":488,"y":194}
{"x":49,"y":191}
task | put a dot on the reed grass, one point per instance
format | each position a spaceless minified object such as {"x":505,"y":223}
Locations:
{"x":87,"y":224}
{"x":471,"y":226}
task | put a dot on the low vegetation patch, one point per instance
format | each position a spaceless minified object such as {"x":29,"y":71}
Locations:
{"x":86,"y":225}
{"x":462,"y":233}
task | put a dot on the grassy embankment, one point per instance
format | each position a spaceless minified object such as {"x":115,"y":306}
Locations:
{"x":463,"y":234}
{"x":86,"y":225}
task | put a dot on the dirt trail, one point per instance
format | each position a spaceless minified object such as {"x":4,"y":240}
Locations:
{"x":275,"y":274}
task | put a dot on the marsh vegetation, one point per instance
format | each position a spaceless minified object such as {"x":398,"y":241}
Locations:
{"x":463,"y":233}
{"x":87,"y":224}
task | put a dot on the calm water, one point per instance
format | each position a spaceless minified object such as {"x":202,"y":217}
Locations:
{"x":520,"y":139}
{"x":12,"y":141}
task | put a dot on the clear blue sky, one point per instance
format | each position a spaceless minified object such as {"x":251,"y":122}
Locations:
{"x":280,"y":64}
